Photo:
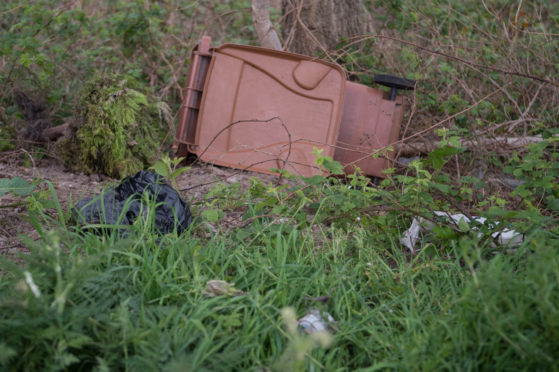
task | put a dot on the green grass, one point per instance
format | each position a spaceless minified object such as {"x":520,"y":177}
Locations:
{"x":138,"y":303}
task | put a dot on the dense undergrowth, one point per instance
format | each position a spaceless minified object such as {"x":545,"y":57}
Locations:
{"x":81,"y":301}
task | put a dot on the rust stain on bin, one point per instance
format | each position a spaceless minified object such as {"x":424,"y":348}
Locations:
{"x":284,"y":105}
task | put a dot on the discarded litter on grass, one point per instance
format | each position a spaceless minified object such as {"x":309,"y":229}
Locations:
{"x":314,"y":322}
{"x":410,"y":236}
{"x":125,"y":203}
{"x":216,"y":288}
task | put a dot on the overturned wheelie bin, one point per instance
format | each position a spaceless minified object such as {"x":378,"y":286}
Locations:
{"x":257,"y":109}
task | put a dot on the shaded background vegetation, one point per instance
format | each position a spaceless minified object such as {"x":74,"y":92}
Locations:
{"x":458,"y":51}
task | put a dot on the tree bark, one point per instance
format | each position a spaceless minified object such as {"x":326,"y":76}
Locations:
{"x":263,"y":26}
{"x":314,"y":26}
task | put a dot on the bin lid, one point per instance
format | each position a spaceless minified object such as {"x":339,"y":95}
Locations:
{"x":264,"y":109}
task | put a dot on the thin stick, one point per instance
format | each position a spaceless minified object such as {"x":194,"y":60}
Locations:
{"x":251,"y":121}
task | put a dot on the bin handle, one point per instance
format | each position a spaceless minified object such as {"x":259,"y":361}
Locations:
{"x":394,"y":83}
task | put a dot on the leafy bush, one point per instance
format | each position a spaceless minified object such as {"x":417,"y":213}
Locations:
{"x":53,"y":48}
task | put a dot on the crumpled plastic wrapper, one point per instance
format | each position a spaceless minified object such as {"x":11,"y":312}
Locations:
{"x":314,"y":322}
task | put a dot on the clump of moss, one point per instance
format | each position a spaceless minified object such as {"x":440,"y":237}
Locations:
{"x":117,"y":129}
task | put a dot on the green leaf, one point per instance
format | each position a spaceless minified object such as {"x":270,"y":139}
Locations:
{"x":6,"y":353}
{"x":441,"y":155}
{"x":454,"y":141}
{"x":314,"y":180}
{"x":463,"y":225}
{"x":211,"y":215}
{"x":161,"y":168}
{"x":79,"y":341}
{"x":444,"y":232}
{"x":442,"y":187}
{"x":177,"y":172}
{"x":16,"y":185}
{"x":334,"y":167}
{"x":553,"y":204}
{"x":66,"y":359}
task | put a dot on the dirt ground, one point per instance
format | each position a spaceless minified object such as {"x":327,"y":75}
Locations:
{"x":71,"y":187}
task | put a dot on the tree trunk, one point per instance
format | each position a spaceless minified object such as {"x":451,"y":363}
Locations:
{"x":314,"y":26}
{"x":263,"y":26}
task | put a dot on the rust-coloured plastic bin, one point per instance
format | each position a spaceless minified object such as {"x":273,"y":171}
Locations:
{"x":254,"y":108}
{"x":370,"y":122}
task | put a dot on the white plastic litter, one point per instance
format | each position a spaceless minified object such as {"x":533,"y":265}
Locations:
{"x":313,"y":322}
{"x":410,"y":236}
{"x":32,"y":286}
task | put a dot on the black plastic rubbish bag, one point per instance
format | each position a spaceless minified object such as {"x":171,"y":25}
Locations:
{"x":108,"y":207}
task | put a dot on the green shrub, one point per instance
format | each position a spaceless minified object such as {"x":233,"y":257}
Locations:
{"x":120,"y":130}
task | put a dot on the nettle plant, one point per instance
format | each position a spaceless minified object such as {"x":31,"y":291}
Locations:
{"x":538,"y":169}
{"x":29,"y":193}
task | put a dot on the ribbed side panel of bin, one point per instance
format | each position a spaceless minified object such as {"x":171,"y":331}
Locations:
{"x":370,"y":124}
{"x":192,"y":97}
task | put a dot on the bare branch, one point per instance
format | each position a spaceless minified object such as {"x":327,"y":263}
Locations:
{"x":53,"y":133}
{"x":359,"y":39}
{"x":407,"y":149}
